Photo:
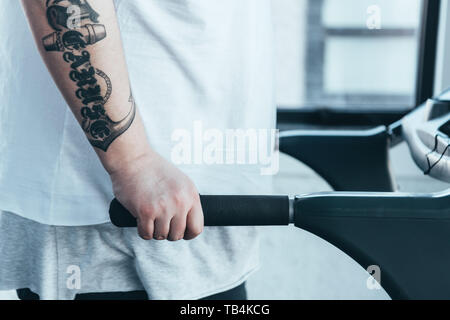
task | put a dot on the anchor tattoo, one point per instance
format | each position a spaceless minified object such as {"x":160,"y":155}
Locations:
{"x":94,"y":86}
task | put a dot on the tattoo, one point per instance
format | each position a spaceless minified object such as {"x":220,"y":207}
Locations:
{"x":74,"y":33}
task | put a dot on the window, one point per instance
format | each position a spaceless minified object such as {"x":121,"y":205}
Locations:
{"x":347,"y":54}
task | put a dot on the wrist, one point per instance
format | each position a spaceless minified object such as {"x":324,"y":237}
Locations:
{"x":129,"y":151}
{"x":130,"y":163}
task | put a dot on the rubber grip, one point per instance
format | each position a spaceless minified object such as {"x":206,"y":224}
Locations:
{"x":222,"y":211}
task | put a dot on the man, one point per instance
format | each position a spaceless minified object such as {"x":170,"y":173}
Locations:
{"x":181,"y":62}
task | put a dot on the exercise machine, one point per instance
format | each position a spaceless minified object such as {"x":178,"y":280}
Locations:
{"x":406,"y":235}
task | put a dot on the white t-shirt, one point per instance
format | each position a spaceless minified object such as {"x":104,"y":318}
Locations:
{"x":197,"y":68}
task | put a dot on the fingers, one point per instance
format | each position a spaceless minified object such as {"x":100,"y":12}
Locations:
{"x":145,"y":228}
{"x":171,"y":222}
{"x":162,"y":227}
{"x":177,"y":228}
{"x":194,"y":222}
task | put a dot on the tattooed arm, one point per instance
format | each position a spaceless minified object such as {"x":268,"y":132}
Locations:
{"x":79,"y":40}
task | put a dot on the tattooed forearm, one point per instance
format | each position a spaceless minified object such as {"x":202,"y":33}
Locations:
{"x":77,"y":27}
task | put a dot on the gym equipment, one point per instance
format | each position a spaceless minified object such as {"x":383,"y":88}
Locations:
{"x":406,"y":235}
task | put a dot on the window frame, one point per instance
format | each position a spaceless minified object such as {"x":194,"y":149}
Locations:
{"x":379,"y":114}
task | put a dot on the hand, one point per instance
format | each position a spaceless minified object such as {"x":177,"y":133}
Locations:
{"x":164,"y":200}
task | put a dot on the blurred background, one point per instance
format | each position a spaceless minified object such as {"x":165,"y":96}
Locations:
{"x":347,"y":53}
{"x":345,"y":64}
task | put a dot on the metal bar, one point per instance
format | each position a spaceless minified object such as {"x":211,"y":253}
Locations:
{"x":360,"y":32}
{"x":427,"y":50}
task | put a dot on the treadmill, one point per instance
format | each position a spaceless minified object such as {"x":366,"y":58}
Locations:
{"x":406,"y":235}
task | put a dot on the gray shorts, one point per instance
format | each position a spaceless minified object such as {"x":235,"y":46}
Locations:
{"x":60,"y":262}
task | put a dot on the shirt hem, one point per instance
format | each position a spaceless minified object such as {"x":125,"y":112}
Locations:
{"x":41,"y":211}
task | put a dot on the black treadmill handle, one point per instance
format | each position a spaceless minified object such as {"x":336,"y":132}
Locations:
{"x":225,"y":211}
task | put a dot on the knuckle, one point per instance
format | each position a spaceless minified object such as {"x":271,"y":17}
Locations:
{"x":162,"y":204}
{"x":196,"y":196}
{"x":148,"y":211}
{"x":182,"y":202}
{"x":179,"y":198}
